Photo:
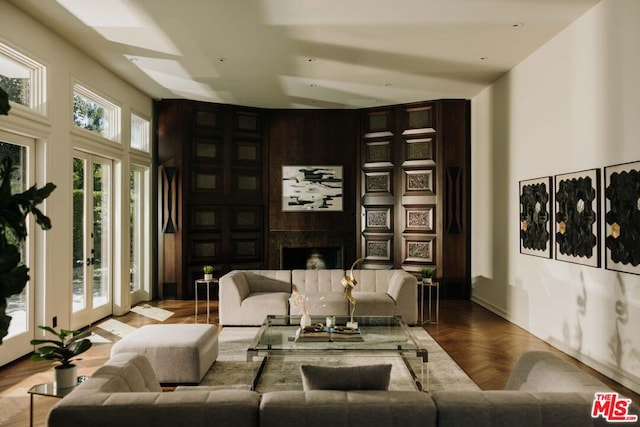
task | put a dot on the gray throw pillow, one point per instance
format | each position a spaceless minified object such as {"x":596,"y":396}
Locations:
{"x":365,"y":377}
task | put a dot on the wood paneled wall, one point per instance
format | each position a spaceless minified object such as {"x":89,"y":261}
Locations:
{"x":321,"y":138}
{"x":227,"y":204}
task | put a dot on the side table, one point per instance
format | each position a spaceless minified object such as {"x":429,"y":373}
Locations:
{"x":50,"y":390}
{"x":436,"y":285}
{"x":206,"y":283}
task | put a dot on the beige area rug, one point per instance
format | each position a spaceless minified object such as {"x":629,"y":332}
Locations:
{"x":155,"y":313}
{"x":231,"y":370}
{"x":116,"y":327}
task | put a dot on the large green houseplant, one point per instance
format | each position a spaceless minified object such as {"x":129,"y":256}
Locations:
{"x":14,"y":209}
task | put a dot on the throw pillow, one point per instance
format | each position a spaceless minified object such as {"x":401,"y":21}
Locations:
{"x":365,"y":377}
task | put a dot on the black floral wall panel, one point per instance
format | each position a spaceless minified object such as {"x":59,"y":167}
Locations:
{"x":622,"y":207}
{"x":535,"y":217}
{"x":577,"y":218}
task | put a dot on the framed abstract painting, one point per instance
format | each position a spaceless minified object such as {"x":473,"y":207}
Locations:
{"x":622,"y":217}
{"x":577,"y":217}
{"x":312,"y":188}
{"x":536,"y":217}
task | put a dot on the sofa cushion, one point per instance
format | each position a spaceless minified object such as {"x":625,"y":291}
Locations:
{"x":314,"y":281}
{"x":361,"y":408}
{"x":257,"y":306}
{"x":373,"y":303}
{"x":123,"y":372}
{"x":220,"y":408}
{"x":365,"y":377}
{"x":326,"y":304}
{"x":514,"y":409}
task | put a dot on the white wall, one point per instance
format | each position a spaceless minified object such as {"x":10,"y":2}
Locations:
{"x":572,"y":105}
{"x":54,"y":134}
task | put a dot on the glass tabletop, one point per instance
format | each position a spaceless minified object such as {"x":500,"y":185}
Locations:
{"x":374,"y":333}
{"x":51,"y":389}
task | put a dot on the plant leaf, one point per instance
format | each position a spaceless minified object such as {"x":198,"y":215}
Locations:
{"x":4,"y":102}
{"x":5,"y":319}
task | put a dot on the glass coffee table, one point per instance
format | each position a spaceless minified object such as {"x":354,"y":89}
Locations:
{"x":376,"y":335}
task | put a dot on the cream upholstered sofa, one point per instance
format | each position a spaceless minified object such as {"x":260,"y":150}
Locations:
{"x":125,"y":392}
{"x":542,"y":391}
{"x":248,"y":296}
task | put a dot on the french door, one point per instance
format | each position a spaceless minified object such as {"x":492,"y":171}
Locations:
{"x":92,"y":296}
{"x":21,"y":307}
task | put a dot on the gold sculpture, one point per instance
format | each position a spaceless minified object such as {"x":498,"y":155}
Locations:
{"x":349,"y":282}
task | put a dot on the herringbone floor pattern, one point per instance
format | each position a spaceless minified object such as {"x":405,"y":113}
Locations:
{"x":482,"y":343}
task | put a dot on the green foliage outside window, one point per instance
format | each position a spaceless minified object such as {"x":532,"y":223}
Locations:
{"x":16,"y":90}
{"x":88,"y":115}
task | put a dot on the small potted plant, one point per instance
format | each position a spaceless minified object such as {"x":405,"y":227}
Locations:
{"x":208,"y":272}
{"x":427,"y":274}
{"x":69,"y":345}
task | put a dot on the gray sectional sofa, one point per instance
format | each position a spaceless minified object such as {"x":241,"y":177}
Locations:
{"x":248,"y":296}
{"x":543,"y":391}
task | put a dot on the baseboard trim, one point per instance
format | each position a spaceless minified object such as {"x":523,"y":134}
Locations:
{"x":492,"y":308}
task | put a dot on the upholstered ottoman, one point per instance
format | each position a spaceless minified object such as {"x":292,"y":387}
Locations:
{"x":178,"y":353}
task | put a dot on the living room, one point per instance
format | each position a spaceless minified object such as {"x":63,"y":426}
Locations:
{"x":567,"y":107}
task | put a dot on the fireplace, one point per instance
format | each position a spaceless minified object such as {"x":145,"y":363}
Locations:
{"x":312,"y":258}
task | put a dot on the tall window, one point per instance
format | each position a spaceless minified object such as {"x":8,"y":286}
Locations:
{"x":17,"y":305}
{"x":23,"y":79}
{"x":139,"y":133}
{"x":96,"y":114}
{"x":138,"y":217}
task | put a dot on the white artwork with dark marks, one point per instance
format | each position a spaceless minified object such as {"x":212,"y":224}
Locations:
{"x":312,"y":188}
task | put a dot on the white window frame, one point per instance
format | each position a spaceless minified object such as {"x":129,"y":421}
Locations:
{"x":143,"y":125}
{"x":112,"y":112}
{"x":37,"y":76}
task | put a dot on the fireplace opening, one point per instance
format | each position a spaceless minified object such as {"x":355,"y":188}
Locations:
{"x":312,"y":258}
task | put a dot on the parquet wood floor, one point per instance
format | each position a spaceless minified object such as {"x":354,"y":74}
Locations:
{"x":482,"y":343}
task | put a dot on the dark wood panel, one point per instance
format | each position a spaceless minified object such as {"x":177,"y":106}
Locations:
{"x":453,"y":259}
{"x":313,"y":138}
{"x":218,"y":153}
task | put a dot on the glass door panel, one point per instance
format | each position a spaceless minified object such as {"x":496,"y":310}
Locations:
{"x":92,"y":237}
{"x":20,"y":307}
{"x":101,"y":255}
{"x":79,"y":226}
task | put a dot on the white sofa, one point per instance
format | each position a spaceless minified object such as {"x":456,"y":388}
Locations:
{"x":248,"y":296}
{"x":542,"y":391}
